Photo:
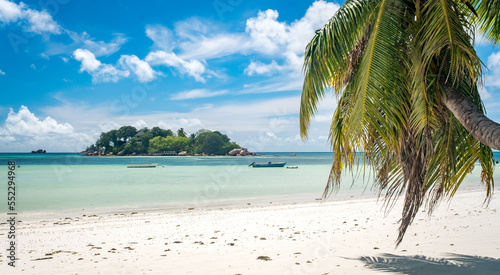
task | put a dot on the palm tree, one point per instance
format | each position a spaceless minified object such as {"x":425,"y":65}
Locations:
{"x":406,"y":78}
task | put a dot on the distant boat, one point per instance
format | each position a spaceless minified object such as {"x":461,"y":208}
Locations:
{"x":145,"y":165}
{"x":269,"y":164}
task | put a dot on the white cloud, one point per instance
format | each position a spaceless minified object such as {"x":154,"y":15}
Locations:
{"x":218,"y":45}
{"x":32,"y":20}
{"x":89,"y":62}
{"x":85,"y":41}
{"x":26,"y":123}
{"x":23,"y":131}
{"x":199,"y":40}
{"x":193,"y":41}
{"x":492,"y":78}
{"x":194,"y":68}
{"x":99,"y":72}
{"x":274,"y":38}
{"x":267,"y":34}
{"x":41,"y":21}
{"x":261,"y":68}
{"x":197,"y":93}
{"x":140,"y":68}
{"x":485,"y":95}
{"x":2,"y":72}
{"x":494,"y":60}
{"x":108,"y":73}
{"x":100,"y":48}
{"x":161,"y":36}
{"x":177,"y":123}
{"x":10,"y":12}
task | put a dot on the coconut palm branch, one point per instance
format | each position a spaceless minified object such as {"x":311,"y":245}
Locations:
{"x":403,"y":72}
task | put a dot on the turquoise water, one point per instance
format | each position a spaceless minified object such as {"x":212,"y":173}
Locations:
{"x":47,"y":183}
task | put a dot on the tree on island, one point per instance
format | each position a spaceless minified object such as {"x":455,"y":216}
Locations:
{"x":406,"y":75}
{"x":127,"y":141}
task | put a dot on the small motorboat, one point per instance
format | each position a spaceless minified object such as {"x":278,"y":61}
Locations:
{"x":269,"y":164}
{"x":145,"y":165}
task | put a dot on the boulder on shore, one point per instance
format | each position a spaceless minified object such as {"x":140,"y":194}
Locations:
{"x":240,"y":152}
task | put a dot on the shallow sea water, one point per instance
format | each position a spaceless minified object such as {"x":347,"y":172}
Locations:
{"x":48,"y":183}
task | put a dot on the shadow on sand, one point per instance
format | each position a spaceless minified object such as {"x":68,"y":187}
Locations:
{"x":454,"y":264}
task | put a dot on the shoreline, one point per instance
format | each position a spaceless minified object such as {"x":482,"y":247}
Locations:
{"x":221,"y":204}
{"x":336,"y":237}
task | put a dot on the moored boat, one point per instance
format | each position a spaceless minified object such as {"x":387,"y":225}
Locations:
{"x":269,"y":164}
{"x":144,"y":165}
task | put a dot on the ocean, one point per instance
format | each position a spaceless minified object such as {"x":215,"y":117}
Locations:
{"x":68,"y":183}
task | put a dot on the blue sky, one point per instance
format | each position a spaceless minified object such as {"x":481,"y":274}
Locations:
{"x":70,"y":70}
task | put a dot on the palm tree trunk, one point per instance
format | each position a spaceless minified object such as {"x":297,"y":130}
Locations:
{"x":475,"y":122}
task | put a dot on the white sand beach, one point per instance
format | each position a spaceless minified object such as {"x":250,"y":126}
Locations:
{"x":335,"y":237}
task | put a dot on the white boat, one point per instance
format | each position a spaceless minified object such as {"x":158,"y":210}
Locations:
{"x":145,"y":165}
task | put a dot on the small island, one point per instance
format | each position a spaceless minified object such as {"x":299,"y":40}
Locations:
{"x":39,"y":151}
{"x":128,"y":141}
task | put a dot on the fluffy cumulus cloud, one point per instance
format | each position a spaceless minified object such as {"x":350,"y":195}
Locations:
{"x":10,"y":12}
{"x":194,"y":68}
{"x":269,"y":36}
{"x":23,"y":130}
{"x":127,"y":65}
{"x":88,"y":60}
{"x":265,"y":36}
{"x":32,"y":20}
{"x":139,"y":67}
{"x":26,"y":123}
{"x":188,"y":47}
{"x":194,"y":41}
{"x":99,"y":72}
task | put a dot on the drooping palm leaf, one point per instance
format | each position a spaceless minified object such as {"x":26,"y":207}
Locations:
{"x":388,"y":72}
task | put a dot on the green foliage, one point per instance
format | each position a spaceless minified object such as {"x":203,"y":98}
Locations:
{"x":125,"y":133}
{"x":387,"y":61}
{"x":212,"y":143}
{"x":158,"y":132}
{"x":128,"y":140}
{"x":181,"y":133}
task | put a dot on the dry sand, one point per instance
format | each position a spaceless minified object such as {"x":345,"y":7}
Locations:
{"x":336,"y":237}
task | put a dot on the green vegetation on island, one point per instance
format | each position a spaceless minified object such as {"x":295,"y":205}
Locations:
{"x":156,"y":141}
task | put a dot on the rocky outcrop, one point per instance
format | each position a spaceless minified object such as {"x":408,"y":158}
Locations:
{"x":240,"y":152}
{"x":183,"y":153}
{"x":39,"y":151}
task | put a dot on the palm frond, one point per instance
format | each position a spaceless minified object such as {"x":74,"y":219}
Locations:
{"x":328,"y":55}
{"x":446,"y":31}
{"x":488,"y":19}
